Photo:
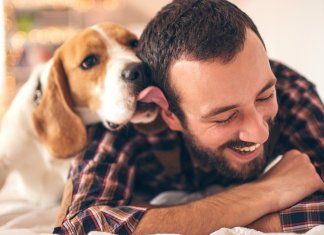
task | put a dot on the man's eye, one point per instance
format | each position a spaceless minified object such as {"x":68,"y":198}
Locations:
{"x":227,"y":120}
{"x":266,"y":98}
{"x":89,"y":62}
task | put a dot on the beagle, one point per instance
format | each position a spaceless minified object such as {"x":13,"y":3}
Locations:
{"x":93,"y":77}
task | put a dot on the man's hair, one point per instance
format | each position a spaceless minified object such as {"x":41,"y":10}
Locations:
{"x":195,"y":29}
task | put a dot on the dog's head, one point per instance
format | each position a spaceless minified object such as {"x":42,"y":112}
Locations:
{"x":94,"y":76}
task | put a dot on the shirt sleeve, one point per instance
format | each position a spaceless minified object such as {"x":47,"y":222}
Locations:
{"x":115,"y":220}
{"x":305,"y":215}
{"x":300,"y":116}
{"x":102,"y":178}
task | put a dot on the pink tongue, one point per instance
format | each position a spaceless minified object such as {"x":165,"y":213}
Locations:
{"x":153,"y":94}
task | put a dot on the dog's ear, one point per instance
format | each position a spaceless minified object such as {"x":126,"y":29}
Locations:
{"x":54,"y":120}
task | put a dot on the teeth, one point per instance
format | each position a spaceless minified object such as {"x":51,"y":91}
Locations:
{"x":248,"y":149}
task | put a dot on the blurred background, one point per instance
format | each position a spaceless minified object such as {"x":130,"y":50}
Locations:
{"x":30,"y":31}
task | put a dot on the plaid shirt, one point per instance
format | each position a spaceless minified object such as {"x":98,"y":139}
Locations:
{"x":116,"y":166}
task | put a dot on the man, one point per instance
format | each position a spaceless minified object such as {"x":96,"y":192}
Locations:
{"x":230,"y":111}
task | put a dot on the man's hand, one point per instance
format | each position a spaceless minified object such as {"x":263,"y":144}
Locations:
{"x":320,"y":171}
{"x":293,"y":164}
{"x":293,"y":178}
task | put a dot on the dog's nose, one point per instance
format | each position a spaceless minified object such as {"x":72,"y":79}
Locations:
{"x":134,"y":71}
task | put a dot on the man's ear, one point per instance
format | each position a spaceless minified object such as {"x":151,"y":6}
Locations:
{"x":171,"y":120}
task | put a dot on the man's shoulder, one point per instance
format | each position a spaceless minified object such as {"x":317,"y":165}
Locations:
{"x":289,"y":79}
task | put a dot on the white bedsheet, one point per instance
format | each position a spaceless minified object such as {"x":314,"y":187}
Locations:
{"x":319,"y":230}
{"x":19,"y":217}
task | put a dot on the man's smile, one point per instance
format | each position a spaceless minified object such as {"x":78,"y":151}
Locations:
{"x":247,"y":149}
{"x":245,"y":154}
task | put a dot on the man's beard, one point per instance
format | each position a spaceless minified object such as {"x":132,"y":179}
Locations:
{"x":218,"y":163}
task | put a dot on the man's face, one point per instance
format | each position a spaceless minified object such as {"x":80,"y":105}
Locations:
{"x":228,"y":109}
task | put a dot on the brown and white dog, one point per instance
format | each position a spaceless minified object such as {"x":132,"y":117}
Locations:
{"x":93,"y":77}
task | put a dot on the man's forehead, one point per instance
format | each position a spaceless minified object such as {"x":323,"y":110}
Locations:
{"x":203,"y":83}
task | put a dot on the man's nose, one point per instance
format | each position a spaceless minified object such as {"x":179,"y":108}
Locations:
{"x":255,"y":128}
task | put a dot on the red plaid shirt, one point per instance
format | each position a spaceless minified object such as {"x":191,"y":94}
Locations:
{"x":115,"y":166}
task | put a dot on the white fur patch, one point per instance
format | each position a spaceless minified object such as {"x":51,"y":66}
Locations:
{"x":117,"y":102}
{"x":43,"y":178}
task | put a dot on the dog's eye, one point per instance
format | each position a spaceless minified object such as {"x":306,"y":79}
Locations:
{"x":133,"y":43}
{"x":89,"y":62}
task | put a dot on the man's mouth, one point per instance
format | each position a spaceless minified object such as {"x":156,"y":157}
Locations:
{"x":245,"y":150}
{"x":245,"y":153}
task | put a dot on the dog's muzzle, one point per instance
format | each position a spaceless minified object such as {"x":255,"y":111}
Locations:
{"x":137,"y":75}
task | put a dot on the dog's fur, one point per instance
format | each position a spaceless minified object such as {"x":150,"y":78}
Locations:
{"x":45,"y":124}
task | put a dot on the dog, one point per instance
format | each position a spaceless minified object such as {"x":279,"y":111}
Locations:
{"x":93,"y":77}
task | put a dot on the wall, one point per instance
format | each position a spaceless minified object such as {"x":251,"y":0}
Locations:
{"x":293,"y":31}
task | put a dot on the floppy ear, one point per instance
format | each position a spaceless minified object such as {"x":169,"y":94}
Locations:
{"x":55,"y":123}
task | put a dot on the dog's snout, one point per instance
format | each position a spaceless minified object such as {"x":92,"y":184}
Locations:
{"x":134,"y":71}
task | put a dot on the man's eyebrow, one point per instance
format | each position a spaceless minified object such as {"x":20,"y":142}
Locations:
{"x":223,"y":109}
{"x":219,"y":110}
{"x":270,"y":84}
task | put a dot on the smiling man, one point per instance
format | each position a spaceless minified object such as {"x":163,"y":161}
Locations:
{"x":229,"y":107}
{"x":230,"y":111}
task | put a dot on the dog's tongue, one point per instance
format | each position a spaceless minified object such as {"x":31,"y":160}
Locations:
{"x":153,"y":94}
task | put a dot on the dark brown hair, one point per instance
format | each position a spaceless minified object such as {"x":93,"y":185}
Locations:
{"x":196,"y":29}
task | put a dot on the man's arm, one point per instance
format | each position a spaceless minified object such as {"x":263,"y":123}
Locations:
{"x":267,"y":223}
{"x":239,"y":206}
{"x":235,"y":207}
{"x":299,"y":218}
